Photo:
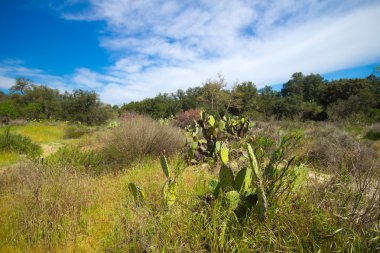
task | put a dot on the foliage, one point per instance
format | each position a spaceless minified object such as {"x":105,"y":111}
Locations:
{"x":303,"y":97}
{"x":19,"y":144}
{"x":373,"y":133}
{"x":187,"y":118}
{"x":76,"y":131}
{"x":30,"y":101}
{"x":90,"y":161}
{"x":56,"y":207}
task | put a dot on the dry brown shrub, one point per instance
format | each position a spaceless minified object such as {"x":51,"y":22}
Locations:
{"x":329,"y":148}
{"x":140,"y":137}
{"x":187,"y":118}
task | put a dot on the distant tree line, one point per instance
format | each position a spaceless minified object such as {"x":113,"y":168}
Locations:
{"x":29,"y":101}
{"x":303,"y":97}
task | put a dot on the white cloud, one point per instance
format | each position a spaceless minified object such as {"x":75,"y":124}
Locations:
{"x":164,"y":45}
{"x":6,"y":82}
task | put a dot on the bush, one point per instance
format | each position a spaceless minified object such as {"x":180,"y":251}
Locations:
{"x":140,"y":137}
{"x":330,"y":148}
{"x":373,"y":133}
{"x":187,"y":118}
{"x":88,"y":161}
{"x":19,"y":144}
{"x":76,"y":131}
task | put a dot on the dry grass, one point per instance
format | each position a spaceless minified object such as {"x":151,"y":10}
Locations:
{"x":46,"y":207}
{"x":141,"y":137}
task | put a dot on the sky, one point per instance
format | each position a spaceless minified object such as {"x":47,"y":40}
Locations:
{"x":128,"y":50}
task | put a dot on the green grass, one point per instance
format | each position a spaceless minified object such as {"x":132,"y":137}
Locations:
{"x":41,"y":133}
{"x":8,"y":158}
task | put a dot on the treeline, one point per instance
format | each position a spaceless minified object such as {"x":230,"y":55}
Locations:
{"x":29,"y":101}
{"x":303,"y":97}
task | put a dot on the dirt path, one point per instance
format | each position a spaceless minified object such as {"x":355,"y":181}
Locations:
{"x":50,"y":148}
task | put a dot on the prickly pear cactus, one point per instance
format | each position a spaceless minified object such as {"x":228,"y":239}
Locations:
{"x":232,"y":199}
{"x":169,"y":190}
{"x":262,"y":205}
{"x":137,"y":193}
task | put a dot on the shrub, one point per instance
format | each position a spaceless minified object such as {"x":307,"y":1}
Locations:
{"x":373,"y":133}
{"x":187,"y":118}
{"x":140,"y":137}
{"x":19,"y":144}
{"x":88,"y":161}
{"x":330,"y":148}
{"x":76,"y":131}
{"x":128,"y":115}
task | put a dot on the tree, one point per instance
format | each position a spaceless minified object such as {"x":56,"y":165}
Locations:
{"x":21,"y":86}
{"x":213,"y":98}
{"x":244,"y":98}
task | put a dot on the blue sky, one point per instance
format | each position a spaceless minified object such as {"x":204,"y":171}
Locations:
{"x":129,"y":50}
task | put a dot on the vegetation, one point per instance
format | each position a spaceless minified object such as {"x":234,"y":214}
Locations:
{"x":303,"y":97}
{"x":219,"y":180}
{"x":18,"y":144}
{"x":38,"y":102}
{"x":138,"y":138}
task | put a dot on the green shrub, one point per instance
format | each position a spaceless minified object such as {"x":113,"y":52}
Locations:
{"x":76,"y":130}
{"x":373,"y":133}
{"x":19,"y":144}
{"x":138,"y":138}
{"x":88,"y":161}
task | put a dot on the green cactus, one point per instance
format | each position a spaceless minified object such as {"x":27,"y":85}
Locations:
{"x":226,"y":178}
{"x":165,"y":166}
{"x":262,"y":205}
{"x":237,"y":192}
{"x":224,"y":155}
{"x":243,"y":180}
{"x":232,"y":200}
{"x":208,"y":134}
{"x":169,"y":190}
{"x":137,"y":193}
{"x":214,"y":187}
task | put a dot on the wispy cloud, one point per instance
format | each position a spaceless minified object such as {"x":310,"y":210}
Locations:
{"x":160,"y":46}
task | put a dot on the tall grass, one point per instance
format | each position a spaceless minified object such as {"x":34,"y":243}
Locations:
{"x":46,"y":207}
{"x":140,"y":137}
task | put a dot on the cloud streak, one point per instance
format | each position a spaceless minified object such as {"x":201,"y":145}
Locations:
{"x":160,"y":46}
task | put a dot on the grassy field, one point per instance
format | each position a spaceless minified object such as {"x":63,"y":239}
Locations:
{"x":62,"y":206}
{"x":50,"y":136}
{"x":42,"y":133}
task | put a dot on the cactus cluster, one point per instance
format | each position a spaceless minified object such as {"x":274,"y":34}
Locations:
{"x":236,"y":126}
{"x":208,"y":134}
{"x":243,"y":191}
